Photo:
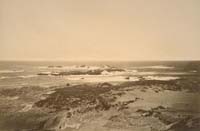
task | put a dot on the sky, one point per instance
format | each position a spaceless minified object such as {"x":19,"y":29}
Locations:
{"x":99,"y":30}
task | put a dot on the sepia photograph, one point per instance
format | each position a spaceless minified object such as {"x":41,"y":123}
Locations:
{"x":99,"y":65}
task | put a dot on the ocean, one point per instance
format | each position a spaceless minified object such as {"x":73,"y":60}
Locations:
{"x":15,"y":74}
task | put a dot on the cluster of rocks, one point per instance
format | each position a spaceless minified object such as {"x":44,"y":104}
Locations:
{"x":190,"y":84}
{"x":172,"y":119}
{"x":21,"y":91}
{"x":82,"y":72}
{"x":84,"y":98}
{"x":77,"y":96}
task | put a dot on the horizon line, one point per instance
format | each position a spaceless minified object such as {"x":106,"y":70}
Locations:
{"x":64,"y":60}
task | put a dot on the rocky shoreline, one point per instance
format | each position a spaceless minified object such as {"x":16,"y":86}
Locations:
{"x":142,"y":105}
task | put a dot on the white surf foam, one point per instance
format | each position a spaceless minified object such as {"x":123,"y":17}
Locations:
{"x":155,"y":67}
{"x":13,"y":77}
{"x":3,"y":77}
{"x":27,"y":76}
{"x":11,"y":71}
{"x":96,"y":78}
{"x":74,"y":67}
{"x":163,"y":78}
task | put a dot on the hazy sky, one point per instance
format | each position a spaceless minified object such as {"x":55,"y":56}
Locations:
{"x":99,"y":29}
